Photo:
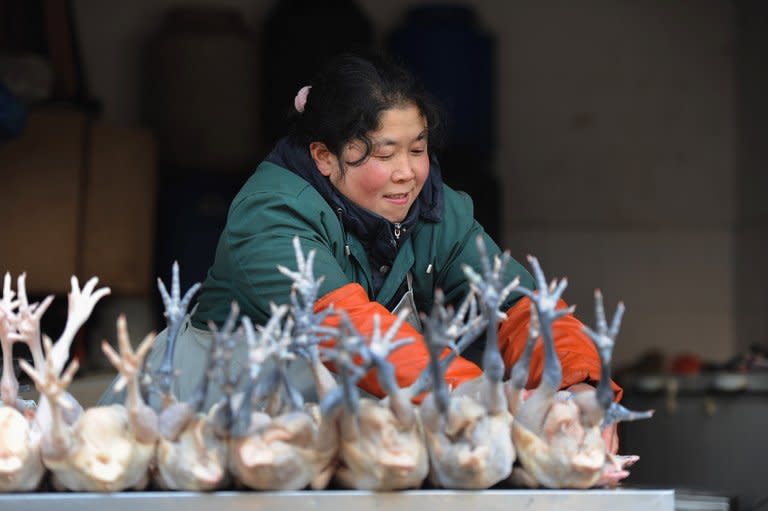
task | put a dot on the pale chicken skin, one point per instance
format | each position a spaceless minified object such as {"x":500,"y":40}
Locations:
{"x":21,"y":467}
{"x":468,"y":430}
{"x":24,"y":437}
{"x":558,"y":434}
{"x":290,"y":452}
{"x":108,"y":448}
{"x":379,"y":451}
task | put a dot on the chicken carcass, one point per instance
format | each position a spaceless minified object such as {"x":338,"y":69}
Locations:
{"x":191,"y":450}
{"x":591,"y":403}
{"x":289,"y":445}
{"x":27,"y":325}
{"x":468,"y":431}
{"x":381,"y":446}
{"x":21,"y":466}
{"x":108,"y":448}
{"x":558,"y":434}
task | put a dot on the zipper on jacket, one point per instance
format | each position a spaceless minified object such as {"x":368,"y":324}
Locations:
{"x":397,"y":230}
{"x":340,"y":213}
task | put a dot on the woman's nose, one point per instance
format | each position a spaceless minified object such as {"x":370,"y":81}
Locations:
{"x":404,"y":170}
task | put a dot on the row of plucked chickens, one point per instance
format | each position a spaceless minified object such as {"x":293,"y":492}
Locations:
{"x":262,"y":435}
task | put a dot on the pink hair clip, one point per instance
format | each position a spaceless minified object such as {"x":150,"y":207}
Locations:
{"x":300,"y":101}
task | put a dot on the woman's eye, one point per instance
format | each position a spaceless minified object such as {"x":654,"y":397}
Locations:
{"x":417,"y":151}
{"x":381,"y":156}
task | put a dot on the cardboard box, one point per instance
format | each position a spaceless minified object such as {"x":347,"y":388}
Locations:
{"x":78,"y":199}
{"x":119,"y":220}
{"x":40,"y":175}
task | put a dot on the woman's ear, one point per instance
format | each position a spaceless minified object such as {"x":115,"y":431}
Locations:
{"x":325,"y":160}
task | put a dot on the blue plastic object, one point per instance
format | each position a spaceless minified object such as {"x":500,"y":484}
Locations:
{"x":13,"y":115}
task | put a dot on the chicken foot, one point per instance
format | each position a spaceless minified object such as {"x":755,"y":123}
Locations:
{"x":21,"y":466}
{"x":175,"y":310}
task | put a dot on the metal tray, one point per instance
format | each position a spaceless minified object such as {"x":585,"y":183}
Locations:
{"x":444,"y":500}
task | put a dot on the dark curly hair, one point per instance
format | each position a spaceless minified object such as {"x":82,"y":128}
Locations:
{"x":348,"y":96}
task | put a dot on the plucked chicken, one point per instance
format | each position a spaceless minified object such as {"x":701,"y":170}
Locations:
{"x":107,"y":448}
{"x":558,"y":434}
{"x":192,"y":447}
{"x":288,"y":444}
{"x":21,"y":465}
{"x":468,"y":431}
{"x":381,"y":446}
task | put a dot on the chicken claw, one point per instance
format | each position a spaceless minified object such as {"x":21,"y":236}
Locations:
{"x":128,"y":363}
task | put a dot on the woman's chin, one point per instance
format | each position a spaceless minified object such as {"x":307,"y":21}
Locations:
{"x":395,"y":219}
{"x":395,"y":213}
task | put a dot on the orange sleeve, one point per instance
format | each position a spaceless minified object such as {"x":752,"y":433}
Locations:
{"x":575,"y":349}
{"x":409,"y":360}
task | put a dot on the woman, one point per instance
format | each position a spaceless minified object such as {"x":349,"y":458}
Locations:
{"x":357,"y":182}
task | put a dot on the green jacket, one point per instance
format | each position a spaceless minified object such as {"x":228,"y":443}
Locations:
{"x":275,"y":205}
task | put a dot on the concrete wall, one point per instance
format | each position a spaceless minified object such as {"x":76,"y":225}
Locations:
{"x":616,"y":146}
{"x":751,"y":236}
{"x":619,"y":165}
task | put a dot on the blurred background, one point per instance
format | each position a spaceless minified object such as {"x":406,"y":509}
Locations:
{"x":621,"y":142}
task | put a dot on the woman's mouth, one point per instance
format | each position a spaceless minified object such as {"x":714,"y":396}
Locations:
{"x":397,"y":198}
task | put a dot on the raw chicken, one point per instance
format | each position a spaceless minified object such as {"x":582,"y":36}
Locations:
{"x":289,"y":445}
{"x":191,"y":449}
{"x":468,"y":431}
{"x":558,"y":433}
{"x":381,"y":446}
{"x":21,"y":466}
{"x":27,"y":323}
{"x":108,"y":448}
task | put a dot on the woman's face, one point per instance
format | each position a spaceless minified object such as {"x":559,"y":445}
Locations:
{"x":390,"y":180}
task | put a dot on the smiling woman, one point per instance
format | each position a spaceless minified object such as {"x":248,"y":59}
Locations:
{"x":389,"y":180}
{"x":357,"y":181}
